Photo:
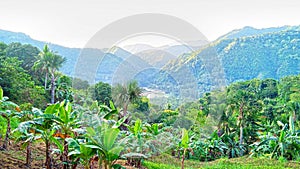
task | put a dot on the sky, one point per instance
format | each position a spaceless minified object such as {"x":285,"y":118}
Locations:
{"x":72,"y":23}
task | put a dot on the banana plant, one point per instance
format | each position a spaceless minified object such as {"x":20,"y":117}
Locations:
{"x":27,"y":131}
{"x":184,"y":144}
{"x":233,"y":149}
{"x":215,"y":147}
{"x":8,"y":110}
{"x":135,"y":144}
{"x":104,"y":140}
{"x":285,"y":143}
{"x":68,"y":124}
{"x":79,"y":152}
{"x":154,"y":128}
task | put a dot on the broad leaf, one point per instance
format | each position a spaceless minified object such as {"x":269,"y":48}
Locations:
{"x":1,"y":93}
{"x":109,"y":138}
{"x":185,"y":138}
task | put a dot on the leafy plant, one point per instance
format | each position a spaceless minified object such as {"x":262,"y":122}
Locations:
{"x":104,"y":141}
{"x":7,"y":111}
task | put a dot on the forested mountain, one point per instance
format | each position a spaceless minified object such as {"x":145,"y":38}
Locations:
{"x":242,"y":55}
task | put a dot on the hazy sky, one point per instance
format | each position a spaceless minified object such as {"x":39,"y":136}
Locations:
{"x":73,"y":22}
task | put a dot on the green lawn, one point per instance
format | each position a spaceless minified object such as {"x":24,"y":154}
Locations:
{"x":168,"y":162}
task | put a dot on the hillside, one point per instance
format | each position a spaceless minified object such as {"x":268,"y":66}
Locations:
{"x":242,"y":55}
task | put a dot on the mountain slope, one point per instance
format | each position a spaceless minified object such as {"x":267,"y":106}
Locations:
{"x":272,"y":53}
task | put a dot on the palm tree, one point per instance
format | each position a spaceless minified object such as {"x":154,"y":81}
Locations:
{"x":125,"y":94}
{"x":49,"y":62}
{"x":43,"y":62}
{"x":55,"y":63}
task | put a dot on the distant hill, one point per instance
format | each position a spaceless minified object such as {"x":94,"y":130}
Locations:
{"x":250,"y":31}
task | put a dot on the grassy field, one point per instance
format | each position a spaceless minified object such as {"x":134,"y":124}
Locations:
{"x":168,"y":162}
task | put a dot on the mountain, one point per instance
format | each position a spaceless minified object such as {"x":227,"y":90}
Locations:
{"x":70,"y":54}
{"x":136,"y":48}
{"x":156,"y":57}
{"x":250,"y":31}
{"x":179,"y":49}
{"x":241,"y":55}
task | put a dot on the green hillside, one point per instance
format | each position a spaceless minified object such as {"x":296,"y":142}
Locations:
{"x":243,"y":55}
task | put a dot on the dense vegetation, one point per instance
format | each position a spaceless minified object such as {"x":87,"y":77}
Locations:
{"x":80,"y":124}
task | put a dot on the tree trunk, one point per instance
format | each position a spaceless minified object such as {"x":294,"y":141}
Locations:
{"x":123,"y":127}
{"x":4,"y":146}
{"x":28,"y":155}
{"x":182,"y":161}
{"x":65,"y":155}
{"x":52,"y":88}
{"x":48,"y":160}
{"x":74,"y":166}
{"x":241,"y":135}
{"x":46,"y":80}
{"x":125,"y":109}
{"x":100,"y":161}
{"x":241,"y":124}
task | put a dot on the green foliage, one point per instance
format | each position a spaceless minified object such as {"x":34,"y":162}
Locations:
{"x":64,"y":89}
{"x":106,"y":145}
{"x":102,"y":93}
{"x":25,"y":53}
{"x":18,"y":85}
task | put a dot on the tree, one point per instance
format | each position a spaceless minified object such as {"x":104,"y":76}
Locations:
{"x":242,"y":99}
{"x":125,"y":94}
{"x":102,"y":93}
{"x":49,"y":62}
{"x":43,"y":63}
{"x":64,"y":89}
{"x":25,"y":53}
{"x":17,"y":83}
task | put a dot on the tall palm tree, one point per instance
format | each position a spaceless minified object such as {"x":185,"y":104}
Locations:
{"x":49,"y":62}
{"x":56,"y":62}
{"x":125,"y":94}
{"x":43,"y":63}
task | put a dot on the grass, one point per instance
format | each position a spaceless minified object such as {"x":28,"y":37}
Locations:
{"x":167,"y":162}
